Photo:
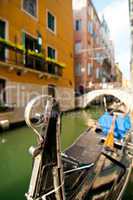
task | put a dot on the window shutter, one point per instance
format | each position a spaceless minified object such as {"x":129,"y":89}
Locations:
{"x":23,"y":39}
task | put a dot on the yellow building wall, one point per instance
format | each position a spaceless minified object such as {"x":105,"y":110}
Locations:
{"x":18,"y":21}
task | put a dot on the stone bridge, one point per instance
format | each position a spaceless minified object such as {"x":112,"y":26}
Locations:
{"x":124,"y":95}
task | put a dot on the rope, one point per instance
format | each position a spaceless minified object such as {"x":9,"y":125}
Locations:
{"x":52,"y":191}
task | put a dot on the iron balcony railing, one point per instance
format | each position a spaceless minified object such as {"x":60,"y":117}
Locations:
{"x":13,"y":54}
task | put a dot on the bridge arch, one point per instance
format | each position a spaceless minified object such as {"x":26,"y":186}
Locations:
{"x":122,"y":95}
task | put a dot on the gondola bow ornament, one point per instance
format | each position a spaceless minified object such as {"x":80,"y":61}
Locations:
{"x":46,"y":180}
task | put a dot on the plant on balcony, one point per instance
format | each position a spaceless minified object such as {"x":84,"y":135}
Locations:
{"x":33,"y":53}
{"x":51,"y":60}
{"x":14,"y":46}
{"x":11,"y":44}
{"x":20,"y":47}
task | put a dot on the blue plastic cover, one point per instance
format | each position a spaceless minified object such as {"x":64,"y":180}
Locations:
{"x":122,"y":124}
{"x":105,"y":122}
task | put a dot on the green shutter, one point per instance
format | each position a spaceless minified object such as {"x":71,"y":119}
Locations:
{"x":2,"y":29}
{"x":23,"y":39}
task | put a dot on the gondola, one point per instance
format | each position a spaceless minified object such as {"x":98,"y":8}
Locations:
{"x":88,"y":170}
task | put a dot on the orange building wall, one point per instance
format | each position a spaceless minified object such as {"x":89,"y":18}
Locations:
{"x":19,"y":21}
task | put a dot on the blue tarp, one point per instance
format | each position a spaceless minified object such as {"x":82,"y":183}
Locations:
{"x":122,"y":124}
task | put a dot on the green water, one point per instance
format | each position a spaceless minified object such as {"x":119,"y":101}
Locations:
{"x":16,"y":163}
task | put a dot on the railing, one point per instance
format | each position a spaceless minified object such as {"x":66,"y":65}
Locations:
{"x":97,"y":86}
{"x":108,"y":85}
{"x":28,"y":60}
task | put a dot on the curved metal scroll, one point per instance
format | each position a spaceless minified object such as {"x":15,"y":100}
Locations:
{"x":47,"y":180}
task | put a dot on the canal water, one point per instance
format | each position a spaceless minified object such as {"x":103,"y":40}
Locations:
{"x":16,"y":163}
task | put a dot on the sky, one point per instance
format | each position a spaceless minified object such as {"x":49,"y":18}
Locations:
{"x":117,"y":16}
{"x":101,"y":4}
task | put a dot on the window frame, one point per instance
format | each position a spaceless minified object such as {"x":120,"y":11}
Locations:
{"x":78,"y":23}
{"x":52,"y":47}
{"x":6,"y":34}
{"x":77,"y":45}
{"x":51,"y":90}
{"x":55,"y":25}
{"x":34,"y":38}
{"x":97,"y":73}
{"x":30,"y":15}
{"x":89,"y":69}
{"x":28,"y":33}
{"x":56,"y":73}
{"x":78,"y":70}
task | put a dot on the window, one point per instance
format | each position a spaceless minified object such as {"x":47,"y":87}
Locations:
{"x":2,"y":35}
{"x":51,"y":90}
{"x":30,"y":6}
{"x":51,"y":21}
{"x":32,"y":44}
{"x":94,"y":35}
{"x":51,"y":52}
{"x":78,"y":25}
{"x":97,"y":55}
{"x":52,"y":69}
{"x":90,"y":27}
{"x":78,"y":69}
{"x":2,"y":91}
{"x":97,"y":73}
{"x":78,"y":47}
{"x":89,"y":69}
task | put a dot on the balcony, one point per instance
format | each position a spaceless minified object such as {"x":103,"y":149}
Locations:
{"x":15,"y":56}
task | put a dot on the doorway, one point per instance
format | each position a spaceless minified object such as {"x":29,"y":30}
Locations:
{"x":2,"y":91}
{"x":51,"y":90}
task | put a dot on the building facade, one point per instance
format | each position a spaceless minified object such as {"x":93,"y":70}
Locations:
{"x":94,"y":51}
{"x":36,"y":54}
{"x":131,"y":28}
{"x":118,"y":74}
